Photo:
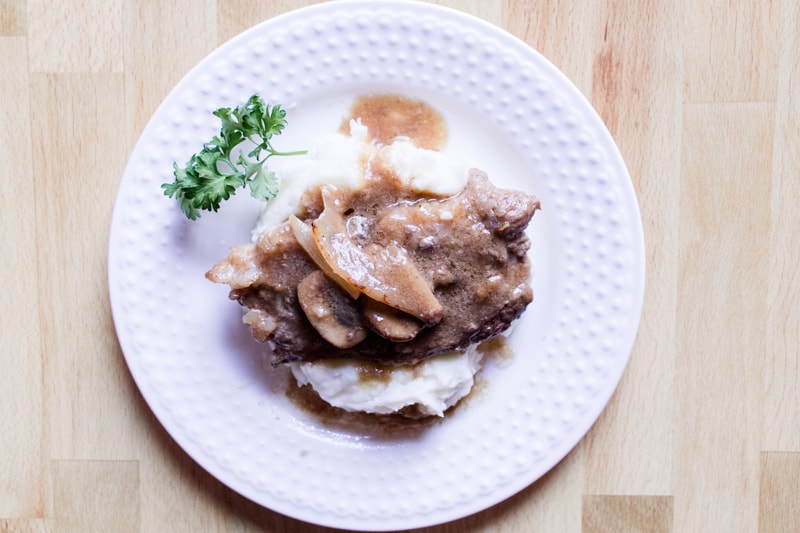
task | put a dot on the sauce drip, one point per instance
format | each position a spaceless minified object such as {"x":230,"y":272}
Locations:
{"x":389,"y":116}
{"x":403,"y":425}
{"x":497,"y":348}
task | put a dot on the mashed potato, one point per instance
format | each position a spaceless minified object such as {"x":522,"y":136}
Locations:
{"x":432,"y":386}
{"x":337,"y":159}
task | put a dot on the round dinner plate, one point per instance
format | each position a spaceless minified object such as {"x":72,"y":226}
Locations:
{"x":511,"y":113}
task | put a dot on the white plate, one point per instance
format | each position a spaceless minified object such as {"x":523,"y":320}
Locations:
{"x":514,"y":115}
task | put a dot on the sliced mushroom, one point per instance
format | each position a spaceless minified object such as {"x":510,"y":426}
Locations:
{"x":388,"y":322}
{"x":384,"y":273}
{"x":330,"y":310}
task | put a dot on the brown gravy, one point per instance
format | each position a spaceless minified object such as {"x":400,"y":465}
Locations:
{"x":389,"y":116}
{"x":369,"y":371}
{"x":496,"y":348}
{"x":375,"y":426}
{"x":402,"y":424}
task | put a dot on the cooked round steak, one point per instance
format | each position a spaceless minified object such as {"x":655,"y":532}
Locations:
{"x":470,"y":249}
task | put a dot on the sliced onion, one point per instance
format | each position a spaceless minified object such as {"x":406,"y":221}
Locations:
{"x":384,"y":273}
{"x":305,"y":237}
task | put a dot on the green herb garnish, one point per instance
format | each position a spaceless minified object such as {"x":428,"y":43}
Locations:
{"x":214,"y":174}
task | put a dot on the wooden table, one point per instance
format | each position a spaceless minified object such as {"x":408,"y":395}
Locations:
{"x":703,"y":433}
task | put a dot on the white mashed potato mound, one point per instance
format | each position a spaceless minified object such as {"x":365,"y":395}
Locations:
{"x":433,"y":385}
{"x":337,"y":159}
{"x":427,"y":170}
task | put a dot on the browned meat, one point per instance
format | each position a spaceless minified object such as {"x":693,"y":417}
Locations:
{"x":470,"y":250}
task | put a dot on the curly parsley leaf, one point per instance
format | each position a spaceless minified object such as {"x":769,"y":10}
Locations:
{"x":215,"y":173}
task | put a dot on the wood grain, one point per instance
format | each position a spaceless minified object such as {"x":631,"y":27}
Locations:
{"x":718,"y":400}
{"x":96,"y":496}
{"x":703,"y":433}
{"x":13,"y":19}
{"x":21,"y":437}
{"x":631,"y":514}
{"x":82,"y":367}
{"x":782,"y":364}
{"x":731,"y":50}
{"x":780,"y":492}
{"x":77,"y":36}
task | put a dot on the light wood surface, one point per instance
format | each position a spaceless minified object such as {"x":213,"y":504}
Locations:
{"x":703,"y":433}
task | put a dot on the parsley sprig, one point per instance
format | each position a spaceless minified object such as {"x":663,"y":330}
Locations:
{"x":216,"y":172}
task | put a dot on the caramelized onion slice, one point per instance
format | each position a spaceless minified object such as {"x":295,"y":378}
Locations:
{"x":388,"y":322}
{"x":384,"y":273}
{"x":304,"y":236}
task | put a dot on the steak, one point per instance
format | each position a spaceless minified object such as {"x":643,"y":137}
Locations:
{"x":470,"y":250}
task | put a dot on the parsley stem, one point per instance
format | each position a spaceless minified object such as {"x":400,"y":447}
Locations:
{"x":298,"y":152}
